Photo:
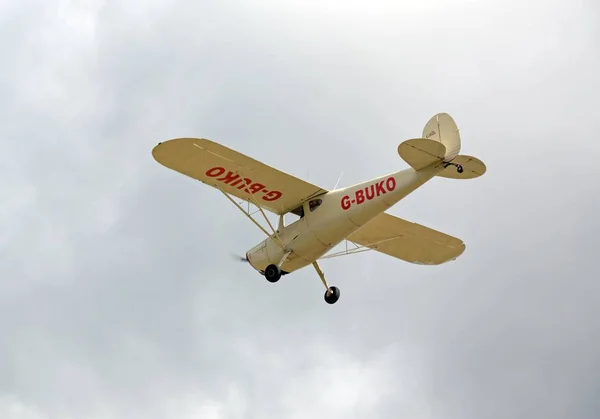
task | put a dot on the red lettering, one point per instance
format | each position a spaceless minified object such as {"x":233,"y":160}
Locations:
{"x":390,"y":184}
{"x":379,"y":188}
{"x":345,"y":202}
{"x":248,"y":182}
{"x":228,"y":177}
{"x":360,"y":196}
{"x":372,"y":194}
{"x":234,"y":179}
{"x":237,"y":181}
{"x":272,"y":196}
{"x":215,"y":171}
{"x":255,"y":188}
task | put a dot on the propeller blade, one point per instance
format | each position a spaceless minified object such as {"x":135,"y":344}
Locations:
{"x":238,"y":257}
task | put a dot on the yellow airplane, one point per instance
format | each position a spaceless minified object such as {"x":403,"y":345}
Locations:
{"x":355,"y":213}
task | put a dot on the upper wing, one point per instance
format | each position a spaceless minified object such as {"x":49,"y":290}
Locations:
{"x":408,"y":241}
{"x":235,"y":173}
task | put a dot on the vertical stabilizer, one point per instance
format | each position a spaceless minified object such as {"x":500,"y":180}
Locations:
{"x":442,"y":128}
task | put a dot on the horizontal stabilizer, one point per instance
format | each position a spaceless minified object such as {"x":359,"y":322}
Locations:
{"x":421,"y":152}
{"x":472,"y":168}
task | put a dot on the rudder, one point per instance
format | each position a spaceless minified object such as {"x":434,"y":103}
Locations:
{"x":442,"y":128}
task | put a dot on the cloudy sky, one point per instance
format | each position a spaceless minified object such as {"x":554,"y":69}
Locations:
{"x":118,"y":294}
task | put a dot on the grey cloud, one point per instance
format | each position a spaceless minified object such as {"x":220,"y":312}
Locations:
{"x":119,"y":296}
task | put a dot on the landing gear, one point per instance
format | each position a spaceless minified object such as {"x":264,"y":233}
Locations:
{"x":272,"y":273}
{"x":459,"y":168}
{"x":332,"y":295}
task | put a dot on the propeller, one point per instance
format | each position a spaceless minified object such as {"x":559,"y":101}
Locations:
{"x":239,"y":258}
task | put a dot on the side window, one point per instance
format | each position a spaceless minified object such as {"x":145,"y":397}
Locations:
{"x":298,"y":211}
{"x":314,"y":204}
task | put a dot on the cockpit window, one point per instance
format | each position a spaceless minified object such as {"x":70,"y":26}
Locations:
{"x":313,"y":204}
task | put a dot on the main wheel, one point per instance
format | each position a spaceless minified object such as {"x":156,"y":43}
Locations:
{"x":272,"y":273}
{"x":459,"y":168}
{"x":332,"y":295}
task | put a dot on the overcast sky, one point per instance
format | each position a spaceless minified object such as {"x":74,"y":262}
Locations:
{"x":118,"y":294}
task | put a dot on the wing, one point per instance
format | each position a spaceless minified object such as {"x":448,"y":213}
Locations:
{"x":235,"y":173}
{"x":408,"y":241}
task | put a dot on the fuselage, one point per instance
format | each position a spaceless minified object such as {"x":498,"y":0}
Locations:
{"x":333,"y":217}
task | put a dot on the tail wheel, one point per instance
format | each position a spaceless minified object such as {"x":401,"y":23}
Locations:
{"x":272,"y":273}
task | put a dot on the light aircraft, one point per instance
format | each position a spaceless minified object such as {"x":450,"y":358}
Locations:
{"x":354,"y":214}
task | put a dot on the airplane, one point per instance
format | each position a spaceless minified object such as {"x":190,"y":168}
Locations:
{"x":354,"y":214}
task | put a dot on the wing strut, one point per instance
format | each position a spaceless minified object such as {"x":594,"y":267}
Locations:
{"x":277,"y":239}
{"x":275,"y":232}
{"x":357,"y":249}
{"x":264,"y":215}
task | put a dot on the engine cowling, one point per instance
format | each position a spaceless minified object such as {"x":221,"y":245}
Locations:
{"x":263,"y":254}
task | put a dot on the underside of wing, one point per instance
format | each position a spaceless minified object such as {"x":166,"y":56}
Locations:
{"x":408,"y":241}
{"x":235,"y":173}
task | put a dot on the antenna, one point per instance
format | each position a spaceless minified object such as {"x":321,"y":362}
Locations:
{"x":338,"y":181}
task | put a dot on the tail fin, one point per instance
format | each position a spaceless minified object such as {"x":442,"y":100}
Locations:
{"x":443,"y":129}
{"x":441,"y":143}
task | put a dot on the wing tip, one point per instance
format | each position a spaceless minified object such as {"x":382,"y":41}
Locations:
{"x":460,"y":249}
{"x":163,"y":149}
